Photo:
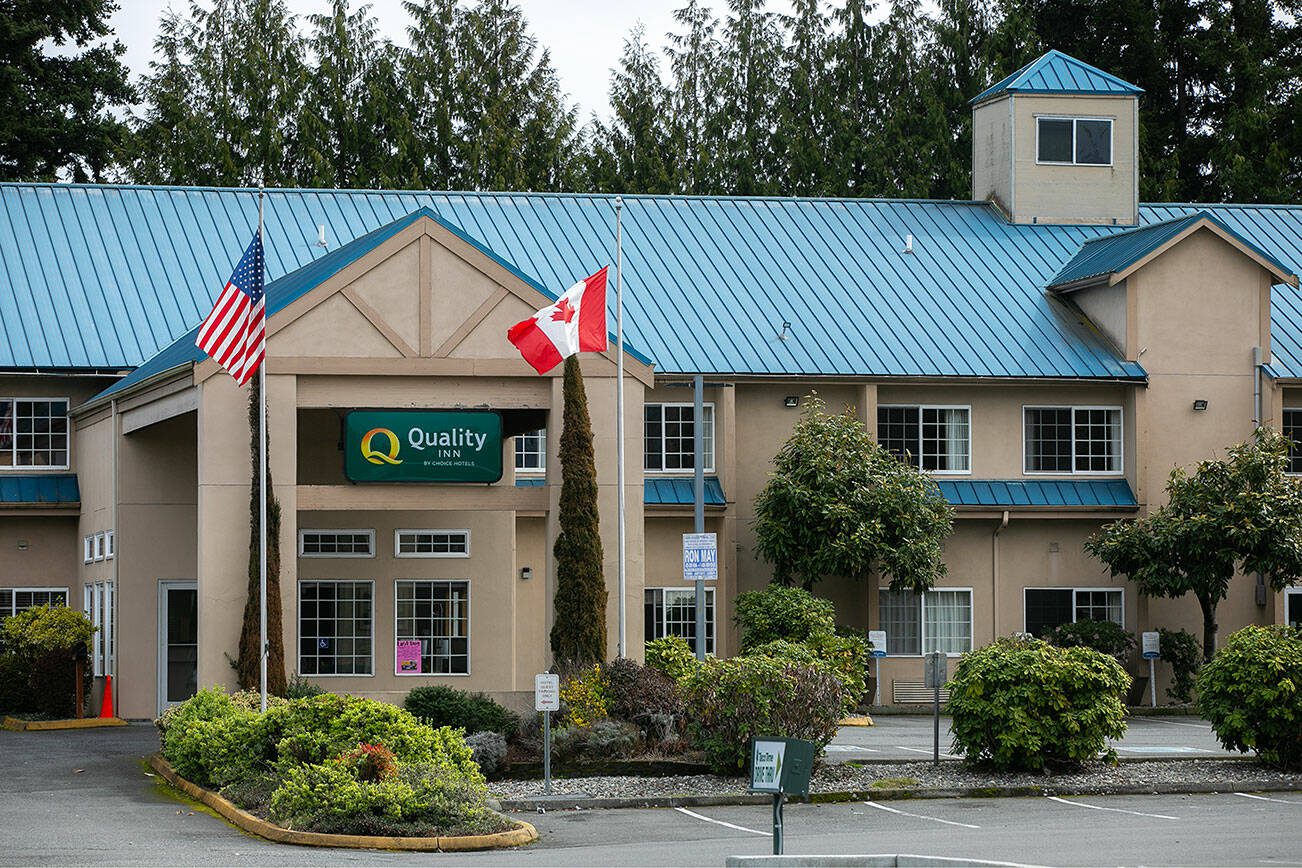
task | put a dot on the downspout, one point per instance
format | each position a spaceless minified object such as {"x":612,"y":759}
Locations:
{"x":117,"y":558}
{"x":994,"y":576}
{"x":1259,"y":592}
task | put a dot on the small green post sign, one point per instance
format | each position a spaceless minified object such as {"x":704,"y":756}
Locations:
{"x":422,"y":446}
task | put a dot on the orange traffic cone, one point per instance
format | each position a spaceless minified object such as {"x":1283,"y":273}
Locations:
{"x":106,"y":704}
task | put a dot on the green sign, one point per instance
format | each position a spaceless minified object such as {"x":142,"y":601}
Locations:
{"x":422,"y":446}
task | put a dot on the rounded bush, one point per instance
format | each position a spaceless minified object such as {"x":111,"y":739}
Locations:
{"x":671,"y":656}
{"x":778,"y":612}
{"x":1105,"y":637}
{"x":489,"y":750}
{"x":1251,"y":693}
{"x":472,"y":712}
{"x":1023,"y":704}
{"x":46,"y":642}
{"x":209,"y":740}
{"x":729,"y":701}
{"x":603,"y":740}
{"x":638,"y":693}
{"x":842,"y":657}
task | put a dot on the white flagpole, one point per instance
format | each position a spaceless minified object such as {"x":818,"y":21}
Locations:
{"x":619,"y":411}
{"x":262,"y":479}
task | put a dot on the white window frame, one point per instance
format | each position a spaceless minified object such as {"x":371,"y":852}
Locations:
{"x":14,"y":592}
{"x":397,"y":543}
{"x":1290,"y":592}
{"x":99,"y":546}
{"x":98,"y":601}
{"x":13,"y":446}
{"x":711,"y":623}
{"x":1121,"y":441}
{"x":922,"y":623}
{"x":1074,"y":591}
{"x":469,"y":625}
{"x":298,"y":629}
{"x":541,"y":469}
{"x":369,"y":532}
{"x":1112,"y":140}
{"x":917,"y":459}
{"x":108,"y":545}
{"x":88,"y":548}
{"x":706,"y":407}
{"x":1285,"y":412}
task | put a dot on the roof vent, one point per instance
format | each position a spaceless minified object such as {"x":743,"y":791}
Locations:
{"x":320,"y":237}
{"x":786,"y":331}
{"x":908,"y":244}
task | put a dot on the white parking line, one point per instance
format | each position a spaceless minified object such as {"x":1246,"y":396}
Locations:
{"x":1178,"y":723}
{"x":1265,"y":799}
{"x":849,"y":748}
{"x":882,"y":807}
{"x":1114,"y":810}
{"x":927,"y":752}
{"x":722,"y":823}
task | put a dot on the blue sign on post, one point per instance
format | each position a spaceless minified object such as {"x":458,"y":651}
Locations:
{"x":700,"y":557}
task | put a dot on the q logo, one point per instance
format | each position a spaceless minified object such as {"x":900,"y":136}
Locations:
{"x":377,"y":456}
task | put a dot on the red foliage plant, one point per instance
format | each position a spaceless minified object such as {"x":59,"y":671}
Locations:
{"x":370,"y":762}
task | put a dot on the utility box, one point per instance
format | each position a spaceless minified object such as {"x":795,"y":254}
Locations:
{"x":781,"y":765}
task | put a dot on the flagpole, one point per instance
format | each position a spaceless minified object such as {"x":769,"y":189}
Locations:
{"x":619,"y":411}
{"x":262,"y":487}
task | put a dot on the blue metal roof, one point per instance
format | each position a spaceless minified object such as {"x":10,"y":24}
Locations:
{"x":39,"y":490}
{"x":1055,"y":72}
{"x":680,"y":491}
{"x":1014,"y":493}
{"x":1115,"y":253}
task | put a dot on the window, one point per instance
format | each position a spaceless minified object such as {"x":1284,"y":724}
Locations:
{"x":99,"y":546}
{"x":34,"y":432}
{"x":1293,"y":431}
{"x":431,"y":543}
{"x":108,"y":545}
{"x":672,"y":612}
{"x":98,"y":603}
{"x":336,"y":543}
{"x":931,"y":438}
{"x":334,"y":627}
{"x":88,"y":549}
{"x":1074,"y":141}
{"x":921,"y":623}
{"x":1072,"y":440}
{"x":669,"y":433}
{"x":436,"y":614}
{"x":531,"y":452}
{"x":1047,"y":608}
{"x":15,"y":600}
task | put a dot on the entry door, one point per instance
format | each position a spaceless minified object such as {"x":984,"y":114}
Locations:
{"x":178,"y":642}
{"x":1293,"y":607}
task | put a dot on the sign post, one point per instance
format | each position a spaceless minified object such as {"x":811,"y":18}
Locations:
{"x":936,"y":675}
{"x":877,"y":638}
{"x":780,"y":766}
{"x":1152,"y":650}
{"x":547,"y":698}
{"x":700,"y":565}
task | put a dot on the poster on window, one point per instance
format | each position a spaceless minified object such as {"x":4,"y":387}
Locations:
{"x":407,"y":654}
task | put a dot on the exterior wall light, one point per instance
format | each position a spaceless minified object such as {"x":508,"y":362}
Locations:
{"x":1200,"y":404}
{"x":526,"y":573}
{"x":791,"y":401}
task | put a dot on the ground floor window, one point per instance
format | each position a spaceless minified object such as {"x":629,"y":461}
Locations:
{"x":335,"y":627}
{"x":15,"y":600}
{"x":1293,"y":607}
{"x":916,"y":623}
{"x":672,"y":612}
{"x":435,"y":614}
{"x":1047,"y":608}
{"x":99,"y":606}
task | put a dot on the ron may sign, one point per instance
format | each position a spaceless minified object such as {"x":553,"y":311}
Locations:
{"x":422,"y":446}
{"x":700,"y":557}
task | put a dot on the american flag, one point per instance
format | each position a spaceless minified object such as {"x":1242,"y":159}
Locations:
{"x":235,"y":334}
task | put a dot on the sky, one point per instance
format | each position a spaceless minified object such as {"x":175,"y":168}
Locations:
{"x":586,"y":37}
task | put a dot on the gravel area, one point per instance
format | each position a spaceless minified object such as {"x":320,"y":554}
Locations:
{"x":923,"y":775}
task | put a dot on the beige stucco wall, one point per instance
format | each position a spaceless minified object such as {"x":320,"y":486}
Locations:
{"x":992,"y":167}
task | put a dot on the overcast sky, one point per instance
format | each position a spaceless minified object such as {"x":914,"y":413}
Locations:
{"x":585,"y":36}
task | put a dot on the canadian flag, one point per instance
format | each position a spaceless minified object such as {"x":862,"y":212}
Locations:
{"x":576,"y":323}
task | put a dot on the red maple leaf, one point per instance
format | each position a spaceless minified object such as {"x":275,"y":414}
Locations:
{"x":564,"y":311}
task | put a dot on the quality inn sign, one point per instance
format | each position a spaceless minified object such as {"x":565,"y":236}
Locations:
{"x":422,"y":446}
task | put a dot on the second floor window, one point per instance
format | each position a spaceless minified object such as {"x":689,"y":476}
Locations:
{"x":669,"y":432}
{"x":1074,"y":141}
{"x":1293,"y":431}
{"x":33,"y":432}
{"x":531,"y":452}
{"x":1072,"y":440}
{"x":930,"y":438}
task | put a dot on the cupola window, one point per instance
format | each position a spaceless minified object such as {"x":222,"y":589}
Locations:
{"x":1074,"y":141}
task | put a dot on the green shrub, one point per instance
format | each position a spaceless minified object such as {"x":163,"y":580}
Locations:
{"x":778,"y":612}
{"x":1025,"y":704}
{"x":603,"y":740}
{"x":16,"y":692}
{"x":1181,"y":649}
{"x":640,"y":694}
{"x":47,"y":642}
{"x":489,"y":751}
{"x":1105,"y":637}
{"x":211,"y":741}
{"x":842,"y":657}
{"x":1251,"y":693}
{"x":729,"y":701}
{"x":299,"y":687}
{"x":583,"y":697}
{"x":472,"y":712}
{"x":671,"y":656}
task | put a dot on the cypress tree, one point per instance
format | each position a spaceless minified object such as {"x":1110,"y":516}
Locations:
{"x":247,"y":667}
{"x":579,"y":634}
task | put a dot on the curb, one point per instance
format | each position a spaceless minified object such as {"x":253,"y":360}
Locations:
{"x":891,"y":795}
{"x":18,"y":724}
{"x":247,"y":822}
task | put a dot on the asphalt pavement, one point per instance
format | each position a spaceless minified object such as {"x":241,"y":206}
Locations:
{"x":83,"y":797}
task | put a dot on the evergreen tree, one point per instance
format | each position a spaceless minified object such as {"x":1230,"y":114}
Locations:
{"x":430,"y":73}
{"x":248,"y":666}
{"x":633,"y":152}
{"x":805,"y":103}
{"x":749,"y":87}
{"x":56,"y":119}
{"x":694,"y":59}
{"x":578,"y":637}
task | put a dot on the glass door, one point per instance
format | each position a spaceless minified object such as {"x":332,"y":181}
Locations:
{"x":178,"y":642}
